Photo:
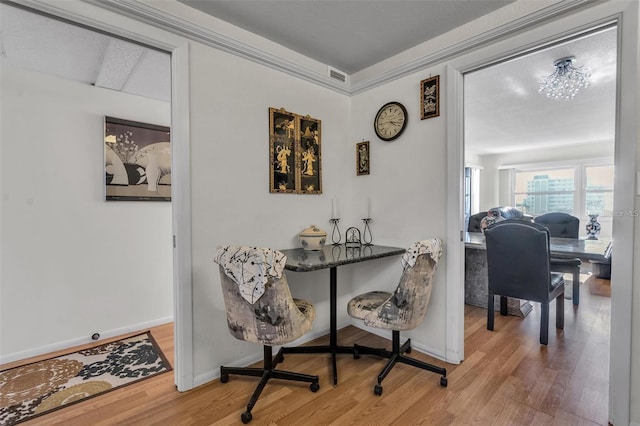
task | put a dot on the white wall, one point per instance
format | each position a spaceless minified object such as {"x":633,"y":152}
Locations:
{"x":73,"y":264}
{"x":407,"y":187}
{"x":231,"y":203}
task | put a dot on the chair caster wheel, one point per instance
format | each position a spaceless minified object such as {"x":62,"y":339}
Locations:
{"x":224,"y":378}
{"x":443,"y":382}
{"x":314,"y":387}
{"x":377,"y":389}
{"x":246,"y":417}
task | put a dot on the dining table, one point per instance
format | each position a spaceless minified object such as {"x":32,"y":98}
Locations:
{"x":476,"y":280}
{"x":331,"y":257}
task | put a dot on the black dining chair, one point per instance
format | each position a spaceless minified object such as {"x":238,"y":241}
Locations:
{"x":518,"y":263}
{"x":563,"y":225}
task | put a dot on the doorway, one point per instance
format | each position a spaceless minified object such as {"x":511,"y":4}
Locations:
{"x":624,"y":196}
{"x":99,"y":260}
{"x":539,"y":155}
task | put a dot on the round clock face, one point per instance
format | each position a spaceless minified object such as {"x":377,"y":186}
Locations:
{"x":390,"y":121}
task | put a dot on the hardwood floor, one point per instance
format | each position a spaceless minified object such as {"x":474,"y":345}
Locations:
{"x":507,"y":378}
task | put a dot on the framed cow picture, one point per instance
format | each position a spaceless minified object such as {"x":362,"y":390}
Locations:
{"x":137,"y":161}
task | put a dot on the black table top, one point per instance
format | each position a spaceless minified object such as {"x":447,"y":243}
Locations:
{"x":560,"y":247}
{"x":330,"y":256}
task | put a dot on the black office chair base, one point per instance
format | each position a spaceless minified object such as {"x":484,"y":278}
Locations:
{"x":395,"y":356}
{"x":266,"y":373}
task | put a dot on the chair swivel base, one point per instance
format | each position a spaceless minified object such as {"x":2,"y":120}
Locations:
{"x":397,"y":355}
{"x":266,"y":373}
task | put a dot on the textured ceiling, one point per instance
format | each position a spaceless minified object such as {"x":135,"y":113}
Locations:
{"x":38,"y":43}
{"x":504,"y":111}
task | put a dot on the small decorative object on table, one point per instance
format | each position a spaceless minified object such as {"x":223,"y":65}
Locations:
{"x":492,"y":217}
{"x":335,"y":233}
{"x":593,"y":227}
{"x":352,"y":237}
{"x":367,"y":230}
{"x":312,"y":238}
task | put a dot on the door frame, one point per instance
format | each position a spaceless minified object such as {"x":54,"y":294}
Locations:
{"x":101,"y":17}
{"x":625,"y":15}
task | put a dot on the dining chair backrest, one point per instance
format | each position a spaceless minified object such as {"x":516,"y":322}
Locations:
{"x":561,"y":225}
{"x":271,"y":318}
{"x":407,"y":306}
{"x":518,"y":260}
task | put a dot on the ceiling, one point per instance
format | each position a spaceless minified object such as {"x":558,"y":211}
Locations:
{"x":502,"y":107}
{"x":35,"y":42}
{"x":349,"y":35}
{"x":505,"y":113}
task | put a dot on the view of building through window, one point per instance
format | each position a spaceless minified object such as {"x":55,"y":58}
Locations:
{"x":539,"y":192}
{"x":599,"y":190}
{"x":580,"y":191}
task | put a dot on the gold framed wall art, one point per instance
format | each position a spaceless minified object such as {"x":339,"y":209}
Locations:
{"x":283,"y":150}
{"x":430,"y":97}
{"x":363,"y":166}
{"x":295,"y":154}
{"x":310,"y":171}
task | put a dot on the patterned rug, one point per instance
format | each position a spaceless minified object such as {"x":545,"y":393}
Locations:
{"x":35,"y":389}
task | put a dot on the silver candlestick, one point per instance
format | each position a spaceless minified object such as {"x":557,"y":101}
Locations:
{"x":367,"y":238}
{"x":335,"y":233}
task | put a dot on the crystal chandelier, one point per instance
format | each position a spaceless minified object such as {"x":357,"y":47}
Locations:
{"x":566,"y":81}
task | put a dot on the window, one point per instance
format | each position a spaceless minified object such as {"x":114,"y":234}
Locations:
{"x":471,"y":191}
{"x":580,"y":190}
{"x":545,"y":191}
{"x":599,"y":190}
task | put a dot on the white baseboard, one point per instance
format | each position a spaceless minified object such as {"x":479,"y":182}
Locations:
{"x":53,"y":347}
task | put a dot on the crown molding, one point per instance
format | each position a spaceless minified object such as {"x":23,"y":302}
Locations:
{"x":147,"y":13}
{"x":483,"y":39}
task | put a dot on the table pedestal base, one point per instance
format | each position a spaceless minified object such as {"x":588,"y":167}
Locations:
{"x":332,"y":348}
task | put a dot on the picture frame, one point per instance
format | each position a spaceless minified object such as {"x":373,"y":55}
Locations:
{"x":363,"y":164}
{"x":137,"y":161}
{"x":295,"y":153}
{"x":309,"y":172}
{"x":430,"y":97}
{"x":283,"y":151}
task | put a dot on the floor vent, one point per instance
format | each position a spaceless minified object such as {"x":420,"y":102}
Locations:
{"x":338,"y":75}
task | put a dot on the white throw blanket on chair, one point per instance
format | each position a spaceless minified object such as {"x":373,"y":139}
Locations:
{"x":432,"y":246}
{"x":250,"y":268}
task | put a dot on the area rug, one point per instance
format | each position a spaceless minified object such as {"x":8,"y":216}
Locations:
{"x":35,"y":389}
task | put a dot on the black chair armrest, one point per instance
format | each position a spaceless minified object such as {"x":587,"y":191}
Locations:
{"x":565,"y":262}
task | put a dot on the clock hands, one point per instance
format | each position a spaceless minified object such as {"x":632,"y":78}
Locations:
{"x":390,"y":121}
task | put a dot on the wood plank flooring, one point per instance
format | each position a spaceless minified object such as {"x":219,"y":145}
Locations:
{"x":507,"y":378}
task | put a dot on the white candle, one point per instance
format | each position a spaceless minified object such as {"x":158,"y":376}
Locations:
{"x":368,"y":211}
{"x":333,"y":209}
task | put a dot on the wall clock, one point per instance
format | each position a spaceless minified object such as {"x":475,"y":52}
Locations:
{"x":390,"y":121}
